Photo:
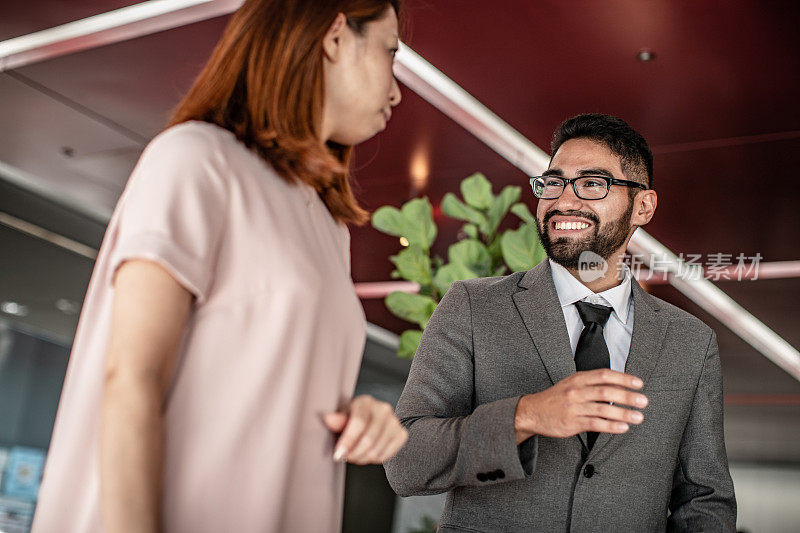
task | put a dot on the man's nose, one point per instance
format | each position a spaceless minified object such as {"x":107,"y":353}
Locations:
{"x":568,"y":201}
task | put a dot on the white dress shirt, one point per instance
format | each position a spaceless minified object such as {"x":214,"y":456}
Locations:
{"x":617,"y":331}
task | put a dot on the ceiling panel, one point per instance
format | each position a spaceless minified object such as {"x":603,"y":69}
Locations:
{"x":54,"y":142}
{"x":134,"y":83}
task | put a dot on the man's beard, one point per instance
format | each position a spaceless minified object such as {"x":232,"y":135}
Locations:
{"x":604,"y":241}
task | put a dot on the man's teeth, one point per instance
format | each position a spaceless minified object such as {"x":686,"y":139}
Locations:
{"x":571,"y":225}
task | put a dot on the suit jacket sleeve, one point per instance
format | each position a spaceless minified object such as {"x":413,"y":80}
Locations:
{"x":451,"y":441}
{"x":702,"y":491}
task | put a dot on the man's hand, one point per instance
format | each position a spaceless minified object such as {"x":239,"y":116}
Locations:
{"x":371,"y":433}
{"x":581,"y":403}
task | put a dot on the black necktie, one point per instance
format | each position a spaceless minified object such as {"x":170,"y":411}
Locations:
{"x":592,"y":352}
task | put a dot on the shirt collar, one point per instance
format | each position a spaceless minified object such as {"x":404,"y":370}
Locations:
{"x":571,"y":290}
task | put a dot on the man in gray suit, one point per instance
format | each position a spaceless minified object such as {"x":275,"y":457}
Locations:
{"x":566,"y":398}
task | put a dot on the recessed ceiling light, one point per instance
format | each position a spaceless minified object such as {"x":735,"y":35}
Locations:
{"x":645,"y":54}
{"x":68,"y":307}
{"x":13,"y":308}
{"x":420,"y":167}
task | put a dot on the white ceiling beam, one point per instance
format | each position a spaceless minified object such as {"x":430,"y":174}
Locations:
{"x":108,"y":28}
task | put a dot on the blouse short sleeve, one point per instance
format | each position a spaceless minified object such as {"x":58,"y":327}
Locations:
{"x":173,"y":209}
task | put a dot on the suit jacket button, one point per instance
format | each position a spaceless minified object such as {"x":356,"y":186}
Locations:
{"x":482,"y":477}
{"x":588,"y":470}
{"x":500,"y":474}
{"x":492,"y":476}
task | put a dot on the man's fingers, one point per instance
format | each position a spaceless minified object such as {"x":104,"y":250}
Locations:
{"x":606,"y":376}
{"x":617,"y":395}
{"x":601,"y":425}
{"x":614,"y":413}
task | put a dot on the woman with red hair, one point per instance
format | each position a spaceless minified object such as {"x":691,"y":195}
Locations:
{"x":211,"y":378}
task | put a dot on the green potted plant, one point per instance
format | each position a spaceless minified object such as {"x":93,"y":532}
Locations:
{"x":484,"y":251}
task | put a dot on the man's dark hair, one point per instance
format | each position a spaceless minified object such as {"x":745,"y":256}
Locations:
{"x":617,"y":135}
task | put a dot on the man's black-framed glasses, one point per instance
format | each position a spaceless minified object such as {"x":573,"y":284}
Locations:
{"x":585,"y":187}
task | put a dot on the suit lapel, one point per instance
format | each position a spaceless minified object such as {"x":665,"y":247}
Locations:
{"x":540,"y":310}
{"x":649,"y":330}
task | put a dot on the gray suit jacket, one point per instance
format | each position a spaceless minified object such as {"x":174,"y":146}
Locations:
{"x":493,"y":340}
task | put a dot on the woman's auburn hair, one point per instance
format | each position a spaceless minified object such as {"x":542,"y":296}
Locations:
{"x":264,"y":82}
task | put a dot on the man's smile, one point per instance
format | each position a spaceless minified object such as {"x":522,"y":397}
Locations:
{"x":561,"y":225}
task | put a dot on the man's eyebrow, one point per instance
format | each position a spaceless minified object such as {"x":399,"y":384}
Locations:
{"x":595,"y":172}
{"x":552,"y":172}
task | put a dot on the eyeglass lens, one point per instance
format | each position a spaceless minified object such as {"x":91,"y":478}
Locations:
{"x":588,"y":187}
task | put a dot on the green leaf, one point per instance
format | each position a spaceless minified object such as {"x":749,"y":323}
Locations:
{"x":451,"y":272}
{"x":455,"y":208}
{"x":414,"y":221}
{"x":471,"y":230}
{"x":409,"y":342}
{"x":499,"y":271}
{"x":472,"y":254}
{"x":500,"y":205}
{"x":539,"y":254}
{"x":496,"y":251}
{"x":477,"y":191}
{"x":388,"y":219}
{"x":412,"y":307}
{"x":522,"y":211}
{"x":413,"y":264}
{"x":520,"y":248}
{"x":418,"y":216}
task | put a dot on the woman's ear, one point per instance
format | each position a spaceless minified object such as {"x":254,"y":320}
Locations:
{"x":644,"y":207}
{"x":331,"y":43}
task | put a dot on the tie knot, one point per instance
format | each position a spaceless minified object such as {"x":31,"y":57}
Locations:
{"x":593,"y":313}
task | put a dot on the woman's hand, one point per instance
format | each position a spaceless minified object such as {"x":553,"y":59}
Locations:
{"x":370,"y":432}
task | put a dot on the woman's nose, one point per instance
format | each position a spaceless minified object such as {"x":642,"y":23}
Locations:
{"x":394,"y":93}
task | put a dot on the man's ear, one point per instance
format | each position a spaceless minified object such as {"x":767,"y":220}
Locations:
{"x":331,"y":43}
{"x":644,"y":207}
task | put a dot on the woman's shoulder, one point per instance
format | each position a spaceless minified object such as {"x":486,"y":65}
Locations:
{"x":192,"y":135}
{"x":191,"y":154}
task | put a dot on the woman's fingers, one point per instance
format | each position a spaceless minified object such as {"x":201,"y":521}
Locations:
{"x":357,"y":422}
{"x":373,"y":437}
{"x":372,"y":433}
{"x":396,"y":439}
{"x":335,"y":422}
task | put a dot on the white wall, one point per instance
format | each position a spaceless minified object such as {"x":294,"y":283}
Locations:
{"x":768,"y":497}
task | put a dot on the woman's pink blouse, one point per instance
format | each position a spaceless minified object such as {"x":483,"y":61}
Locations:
{"x":274,"y":341}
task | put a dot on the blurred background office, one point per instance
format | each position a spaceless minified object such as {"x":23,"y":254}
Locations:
{"x":712,"y":85}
